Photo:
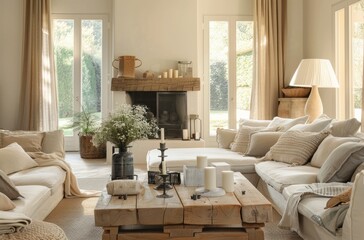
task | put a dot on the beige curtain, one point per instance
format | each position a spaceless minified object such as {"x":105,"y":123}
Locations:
{"x":269,"y":31}
{"x":38,"y":110}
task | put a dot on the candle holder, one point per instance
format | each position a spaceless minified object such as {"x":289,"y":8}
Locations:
{"x":164,"y":187}
{"x":162,"y":148}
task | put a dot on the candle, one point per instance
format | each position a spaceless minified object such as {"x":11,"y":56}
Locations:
{"x":201,"y":162}
{"x":164,"y":167}
{"x":184,"y":134}
{"x":197,"y":136}
{"x":175,"y":74}
{"x":170,"y":73}
{"x":162,"y":135}
{"x":210,"y":178}
{"x":228,"y":181}
{"x":165,"y":75}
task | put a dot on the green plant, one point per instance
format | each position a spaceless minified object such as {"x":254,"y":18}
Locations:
{"x":85,"y":122}
{"x":127,"y":124}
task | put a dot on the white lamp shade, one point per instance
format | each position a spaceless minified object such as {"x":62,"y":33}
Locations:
{"x":315,"y":72}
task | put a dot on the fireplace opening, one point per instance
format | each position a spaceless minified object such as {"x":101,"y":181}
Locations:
{"x":169,"y":108}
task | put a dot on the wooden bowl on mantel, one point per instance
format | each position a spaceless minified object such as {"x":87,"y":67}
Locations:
{"x":296,"y":92}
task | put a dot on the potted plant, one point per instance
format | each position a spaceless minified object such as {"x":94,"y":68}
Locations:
{"x":87,"y":123}
{"x":125,"y":125}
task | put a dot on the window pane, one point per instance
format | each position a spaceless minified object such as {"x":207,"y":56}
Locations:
{"x":63,"y":52}
{"x":244,"y":68}
{"x":91,"y":65}
{"x":218,"y":74}
{"x":357,"y":37}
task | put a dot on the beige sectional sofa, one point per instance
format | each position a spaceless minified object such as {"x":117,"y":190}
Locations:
{"x":42,"y":187}
{"x":285,"y":157}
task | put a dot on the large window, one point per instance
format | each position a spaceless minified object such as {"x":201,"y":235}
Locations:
{"x":349,"y":41}
{"x":229,"y":70}
{"x":79,"y":50}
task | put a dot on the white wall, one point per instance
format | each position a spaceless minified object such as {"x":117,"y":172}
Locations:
{"x":11,"y":35}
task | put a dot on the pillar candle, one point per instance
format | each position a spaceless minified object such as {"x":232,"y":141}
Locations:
{"x":170,"y":73}
{"x":162,"y":135}
{"x":165,"y":75}
{"x":201,"y":161}
{"x":197,"y":136}
{"x":210,"y":178}
{"x":228,"y":181}
{"x":164,"y":167}
{"x":184,"y":134}
{"x":175,"y":74}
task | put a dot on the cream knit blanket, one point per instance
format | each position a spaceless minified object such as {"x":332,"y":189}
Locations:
{"x":71,"y":188}
{"x":11,"y":222}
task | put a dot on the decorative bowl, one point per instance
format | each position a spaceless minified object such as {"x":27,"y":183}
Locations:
{"x":296,"y":92}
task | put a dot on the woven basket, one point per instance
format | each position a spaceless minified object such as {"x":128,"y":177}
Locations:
{"x":88,"y":150}
{"x":296,"y":92}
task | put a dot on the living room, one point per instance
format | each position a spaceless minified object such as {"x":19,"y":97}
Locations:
{"x":161,"y":33}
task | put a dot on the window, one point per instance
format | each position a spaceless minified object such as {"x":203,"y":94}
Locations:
{"x":79,"y":50}
{"x":229,"y":70}
{"x":349,"y":39}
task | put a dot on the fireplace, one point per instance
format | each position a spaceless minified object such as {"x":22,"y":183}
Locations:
{"x":169,"y":108}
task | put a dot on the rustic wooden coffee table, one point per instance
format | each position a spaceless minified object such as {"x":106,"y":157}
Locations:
{"x":238,"y":215}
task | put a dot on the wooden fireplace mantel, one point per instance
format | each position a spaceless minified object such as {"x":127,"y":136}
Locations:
{"x":155,"y":85}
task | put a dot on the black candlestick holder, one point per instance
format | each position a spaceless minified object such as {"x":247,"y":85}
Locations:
{"x":164,"y":185}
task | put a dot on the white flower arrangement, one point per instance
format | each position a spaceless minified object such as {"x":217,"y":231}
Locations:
{"x":127,"y":124}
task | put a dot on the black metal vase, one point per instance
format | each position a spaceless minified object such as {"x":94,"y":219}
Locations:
{"x":122,"y":164}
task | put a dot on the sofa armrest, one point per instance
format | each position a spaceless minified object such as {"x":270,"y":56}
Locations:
{"x":354,"y":220}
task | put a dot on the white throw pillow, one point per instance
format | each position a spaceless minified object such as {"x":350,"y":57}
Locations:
{"x":261,"y":142}
{"x":346,"y":128}
{"x":13,"y":158}
{"x":342,"y":162}
{"x":283,"y":124}
{"x":224,"y":137}
{"x":5,"y":203}
{"x":295,"y":147}
{"x":327,"y":146}
{"x":253,"y":122}
{"x":241,"y":140}
{"x":315,"y":126}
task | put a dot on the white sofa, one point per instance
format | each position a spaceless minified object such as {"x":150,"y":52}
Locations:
{"x":278,"y":180}
{"x":42,"y":188}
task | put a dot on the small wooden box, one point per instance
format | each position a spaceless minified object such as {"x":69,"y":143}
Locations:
{"x":193,"y":176}
{"x":220,"y":166}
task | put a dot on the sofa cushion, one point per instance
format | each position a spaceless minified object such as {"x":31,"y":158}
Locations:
{"x":345,"y":128}
{"x":283,"y":124}
{"x":342,"y":162}
{"x":280,"y":175}
{"x":34,"y":197}
{"x":30,"y":142}
{"x":13,"y":159}
{"x":6,"y":203}
{"x":261,"y":142}
{"x":7,"y":187}
{"x":295,"y":147}
{"x":327,"y":146}
{"x":242,"y":137}
{"x":49,"y":176}
{"x":224,"y":137}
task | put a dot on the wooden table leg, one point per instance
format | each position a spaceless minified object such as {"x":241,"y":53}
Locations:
{"x":110,"y":233}
{"x":255,"y":233}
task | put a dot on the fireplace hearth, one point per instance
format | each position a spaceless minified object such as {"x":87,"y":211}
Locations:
{"x":169,"y":108}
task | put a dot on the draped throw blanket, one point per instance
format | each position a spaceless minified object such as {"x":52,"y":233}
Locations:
{"x":290,"y":220}
{"x":11,"y":222}
{"x":71,"y":185}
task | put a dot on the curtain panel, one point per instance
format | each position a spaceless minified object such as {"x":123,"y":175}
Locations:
{"x":269,"y":30}
{"x":39,"y":108}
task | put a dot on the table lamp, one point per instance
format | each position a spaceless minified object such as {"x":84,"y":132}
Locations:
{"x":314,"y":73}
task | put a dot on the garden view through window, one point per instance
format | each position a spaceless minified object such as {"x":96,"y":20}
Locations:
{"x":230,"y":72}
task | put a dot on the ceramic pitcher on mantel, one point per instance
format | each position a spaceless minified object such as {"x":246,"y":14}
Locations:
{"x":127,"y":65}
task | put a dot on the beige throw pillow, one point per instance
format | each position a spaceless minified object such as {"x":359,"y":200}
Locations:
{"x":346,"y":128}
{"x":241,"y":140}
{"x":261,"y":142}
{"x":5,"y":203}
{"x":53,"y":142}
{"x":253,"y":122}
{"x":315,"y":126}
{"x":30,"y":142}
{"x":295,"y":147}
{"x":13,"y":158}
{"x":342,"y":162}
{"x":328,"y":145}
{"x":283,"y":124}
{"x":7,"y":187}
{"x":224,"y":137}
